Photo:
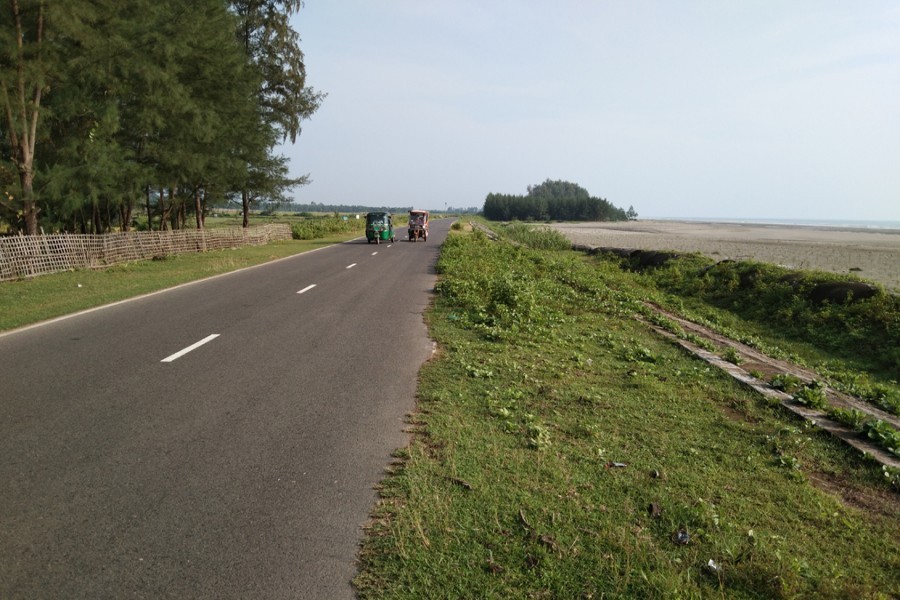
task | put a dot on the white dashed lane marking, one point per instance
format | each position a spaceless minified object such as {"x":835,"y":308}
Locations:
{"x":181,"y":353}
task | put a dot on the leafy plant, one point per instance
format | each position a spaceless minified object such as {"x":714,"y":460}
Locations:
{"x":538,"y":436}
{"x":732,"y":356}
{"x":883,"y":434}
{"x":666,"y":323}
{"x":700,"y":342}
{"x":893,"y":476}
{"x":786,"y":382}
{"x":848,"y":416}
{"x":639,"y":353}
{"x":812,"y":394}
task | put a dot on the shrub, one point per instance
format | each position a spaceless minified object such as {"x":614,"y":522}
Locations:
{"x":313,"y":229}
{"x":540,"y":238}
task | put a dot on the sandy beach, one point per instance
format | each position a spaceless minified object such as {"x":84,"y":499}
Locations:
{"x":871,"y":254}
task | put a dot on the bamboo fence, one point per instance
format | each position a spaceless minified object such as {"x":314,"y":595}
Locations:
{"x":29,"y":256}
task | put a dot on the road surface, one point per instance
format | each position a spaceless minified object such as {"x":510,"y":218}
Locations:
{"x":218,"y":440}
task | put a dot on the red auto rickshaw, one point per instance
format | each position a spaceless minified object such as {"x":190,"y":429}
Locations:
{"x":418,"y":225}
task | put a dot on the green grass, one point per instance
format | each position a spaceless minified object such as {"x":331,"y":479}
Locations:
{"x":28,"y":301}
{"x":534,"y":236}
{"x":864,"y":333}
{"x":561,"y":447}
{"x":855,"y":347}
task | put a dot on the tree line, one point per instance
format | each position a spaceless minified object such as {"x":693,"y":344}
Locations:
{"x":553,"y":201}
{"x":109,"y":107}
{"x":314,"y":207}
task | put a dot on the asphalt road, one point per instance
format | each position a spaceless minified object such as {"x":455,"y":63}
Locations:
{"x":141,"y":457}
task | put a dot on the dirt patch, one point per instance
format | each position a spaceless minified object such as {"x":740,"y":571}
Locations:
{"x":875,"y":501}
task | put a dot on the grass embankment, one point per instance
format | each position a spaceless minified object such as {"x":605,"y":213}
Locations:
{"x":564,"y":451}
{"x":793,"y":307}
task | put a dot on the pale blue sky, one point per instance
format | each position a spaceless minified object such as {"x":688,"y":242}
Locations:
{"x":688,"y":108}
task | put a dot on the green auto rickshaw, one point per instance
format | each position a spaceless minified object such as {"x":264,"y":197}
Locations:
{"x":379,"y":227}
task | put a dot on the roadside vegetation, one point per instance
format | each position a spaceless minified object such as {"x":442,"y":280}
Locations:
{"x":537,"y":237}
{"x":847,"y":330}
{"x":311,"y":229}
{"x":28,"y":301}
{"x":563,"y":450}
{"x":836,"y":318}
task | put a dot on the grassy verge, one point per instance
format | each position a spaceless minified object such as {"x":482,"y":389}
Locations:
{"x":31,"y":300}
{"x":855,"y":343}
{"x":564,"y":451}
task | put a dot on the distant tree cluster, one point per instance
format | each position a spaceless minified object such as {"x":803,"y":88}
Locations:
{"x":472,"y":210}
{"x":110,"y":107}
{"x":316,"y":207}
{"x":556,"y":201}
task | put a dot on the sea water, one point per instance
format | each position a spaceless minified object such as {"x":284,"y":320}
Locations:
{"x":842,"y":224}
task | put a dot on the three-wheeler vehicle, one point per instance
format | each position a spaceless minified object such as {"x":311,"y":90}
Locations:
{"x":379,"y":227}
{"x":418,"y":225}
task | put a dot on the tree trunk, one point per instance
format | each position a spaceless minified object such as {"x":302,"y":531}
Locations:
{"x":165,"y":210}
{"x":198,"y":208}
{"x":182,"y":215}
{"x":125,"y":212}
{"x":149,"y":213}
{"x":22,"y":108}
{"x":109,"y":216}
{"x":95,"y":218}
{"x":29,"y":209}
{"x":245,"y":198}
{"x":203,"y":209}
